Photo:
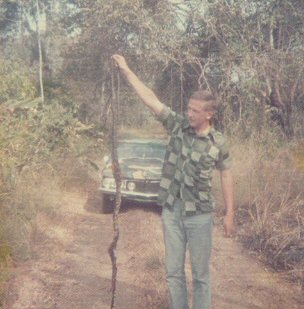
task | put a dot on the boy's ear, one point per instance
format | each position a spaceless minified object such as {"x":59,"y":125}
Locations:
{"x":210,"y":115}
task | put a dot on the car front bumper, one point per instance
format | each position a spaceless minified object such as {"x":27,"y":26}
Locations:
{"x":131,"y":195}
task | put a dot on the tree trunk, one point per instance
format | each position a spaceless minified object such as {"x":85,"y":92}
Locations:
{"x":40,"y":54}
{"x":287,"y":121}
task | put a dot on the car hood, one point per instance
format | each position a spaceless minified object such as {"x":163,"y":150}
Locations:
{"x":138,"y":168}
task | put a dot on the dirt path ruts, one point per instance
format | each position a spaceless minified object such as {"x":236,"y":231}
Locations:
{"x":70,"y":268}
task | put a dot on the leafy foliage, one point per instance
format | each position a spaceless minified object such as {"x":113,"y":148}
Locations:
{"x":14,"y":81}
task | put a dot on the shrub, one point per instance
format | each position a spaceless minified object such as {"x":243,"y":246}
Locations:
{"x":15,"y":83}
{"x":270,"y":200}
{"x":42,"y":151}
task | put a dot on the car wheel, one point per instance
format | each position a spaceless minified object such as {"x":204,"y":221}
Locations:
{"x":107,"y":204}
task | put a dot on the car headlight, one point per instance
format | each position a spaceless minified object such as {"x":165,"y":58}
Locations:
{"x":131,"y":186}
{"x":109,"y":183}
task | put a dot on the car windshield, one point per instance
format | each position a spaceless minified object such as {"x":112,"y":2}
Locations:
{"x":141,"y":150}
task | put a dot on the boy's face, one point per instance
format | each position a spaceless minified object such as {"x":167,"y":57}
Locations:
{"x":197,"y":113}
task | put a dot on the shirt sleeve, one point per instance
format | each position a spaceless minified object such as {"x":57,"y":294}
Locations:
{"x":224,"y":161}
{"x":170,"y":119}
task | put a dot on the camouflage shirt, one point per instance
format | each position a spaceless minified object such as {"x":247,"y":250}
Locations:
{"x":189,"y":162}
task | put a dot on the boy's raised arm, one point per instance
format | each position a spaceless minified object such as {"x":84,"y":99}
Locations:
{"x":145,"y":93}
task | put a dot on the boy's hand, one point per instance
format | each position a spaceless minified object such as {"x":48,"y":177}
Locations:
{"x":120,"y":61}
{"x":229,"y":225}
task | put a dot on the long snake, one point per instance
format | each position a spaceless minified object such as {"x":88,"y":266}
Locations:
{"x":115,"y":85}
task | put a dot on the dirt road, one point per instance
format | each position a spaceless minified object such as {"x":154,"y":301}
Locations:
{"x":70,"y":267}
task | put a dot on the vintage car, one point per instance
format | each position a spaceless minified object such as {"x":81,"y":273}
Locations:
{"x":140,"y":162}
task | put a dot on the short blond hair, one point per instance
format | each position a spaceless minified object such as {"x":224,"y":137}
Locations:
{"x":207,"y":97}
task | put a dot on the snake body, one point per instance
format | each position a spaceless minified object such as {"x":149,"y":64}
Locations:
{"x":115,"y":85}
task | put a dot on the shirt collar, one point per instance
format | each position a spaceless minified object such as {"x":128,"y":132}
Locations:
{"x":186,"y":127}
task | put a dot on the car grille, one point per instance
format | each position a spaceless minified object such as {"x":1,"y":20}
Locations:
{"x":146,"y":186}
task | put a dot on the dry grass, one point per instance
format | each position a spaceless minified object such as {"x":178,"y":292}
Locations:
{"x":270,"y":200}
{"x":33,"y":194}
{"x":36,"y":191}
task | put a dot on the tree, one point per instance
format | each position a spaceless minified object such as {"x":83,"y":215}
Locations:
{"x":255,"y":53}
{"x":249,"y":53}
{"x":128,"y":27}
{"x":40,"y":53}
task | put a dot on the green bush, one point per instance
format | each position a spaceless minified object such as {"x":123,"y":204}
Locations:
{"x":43,"y":149}
{"x":14,"y":81}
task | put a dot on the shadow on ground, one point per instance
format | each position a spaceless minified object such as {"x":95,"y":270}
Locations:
{"x":94,"y":202}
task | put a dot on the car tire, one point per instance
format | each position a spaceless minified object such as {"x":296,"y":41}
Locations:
{"x":107,"y":204}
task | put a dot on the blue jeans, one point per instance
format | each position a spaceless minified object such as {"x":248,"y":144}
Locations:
{"x":196,"y":231}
